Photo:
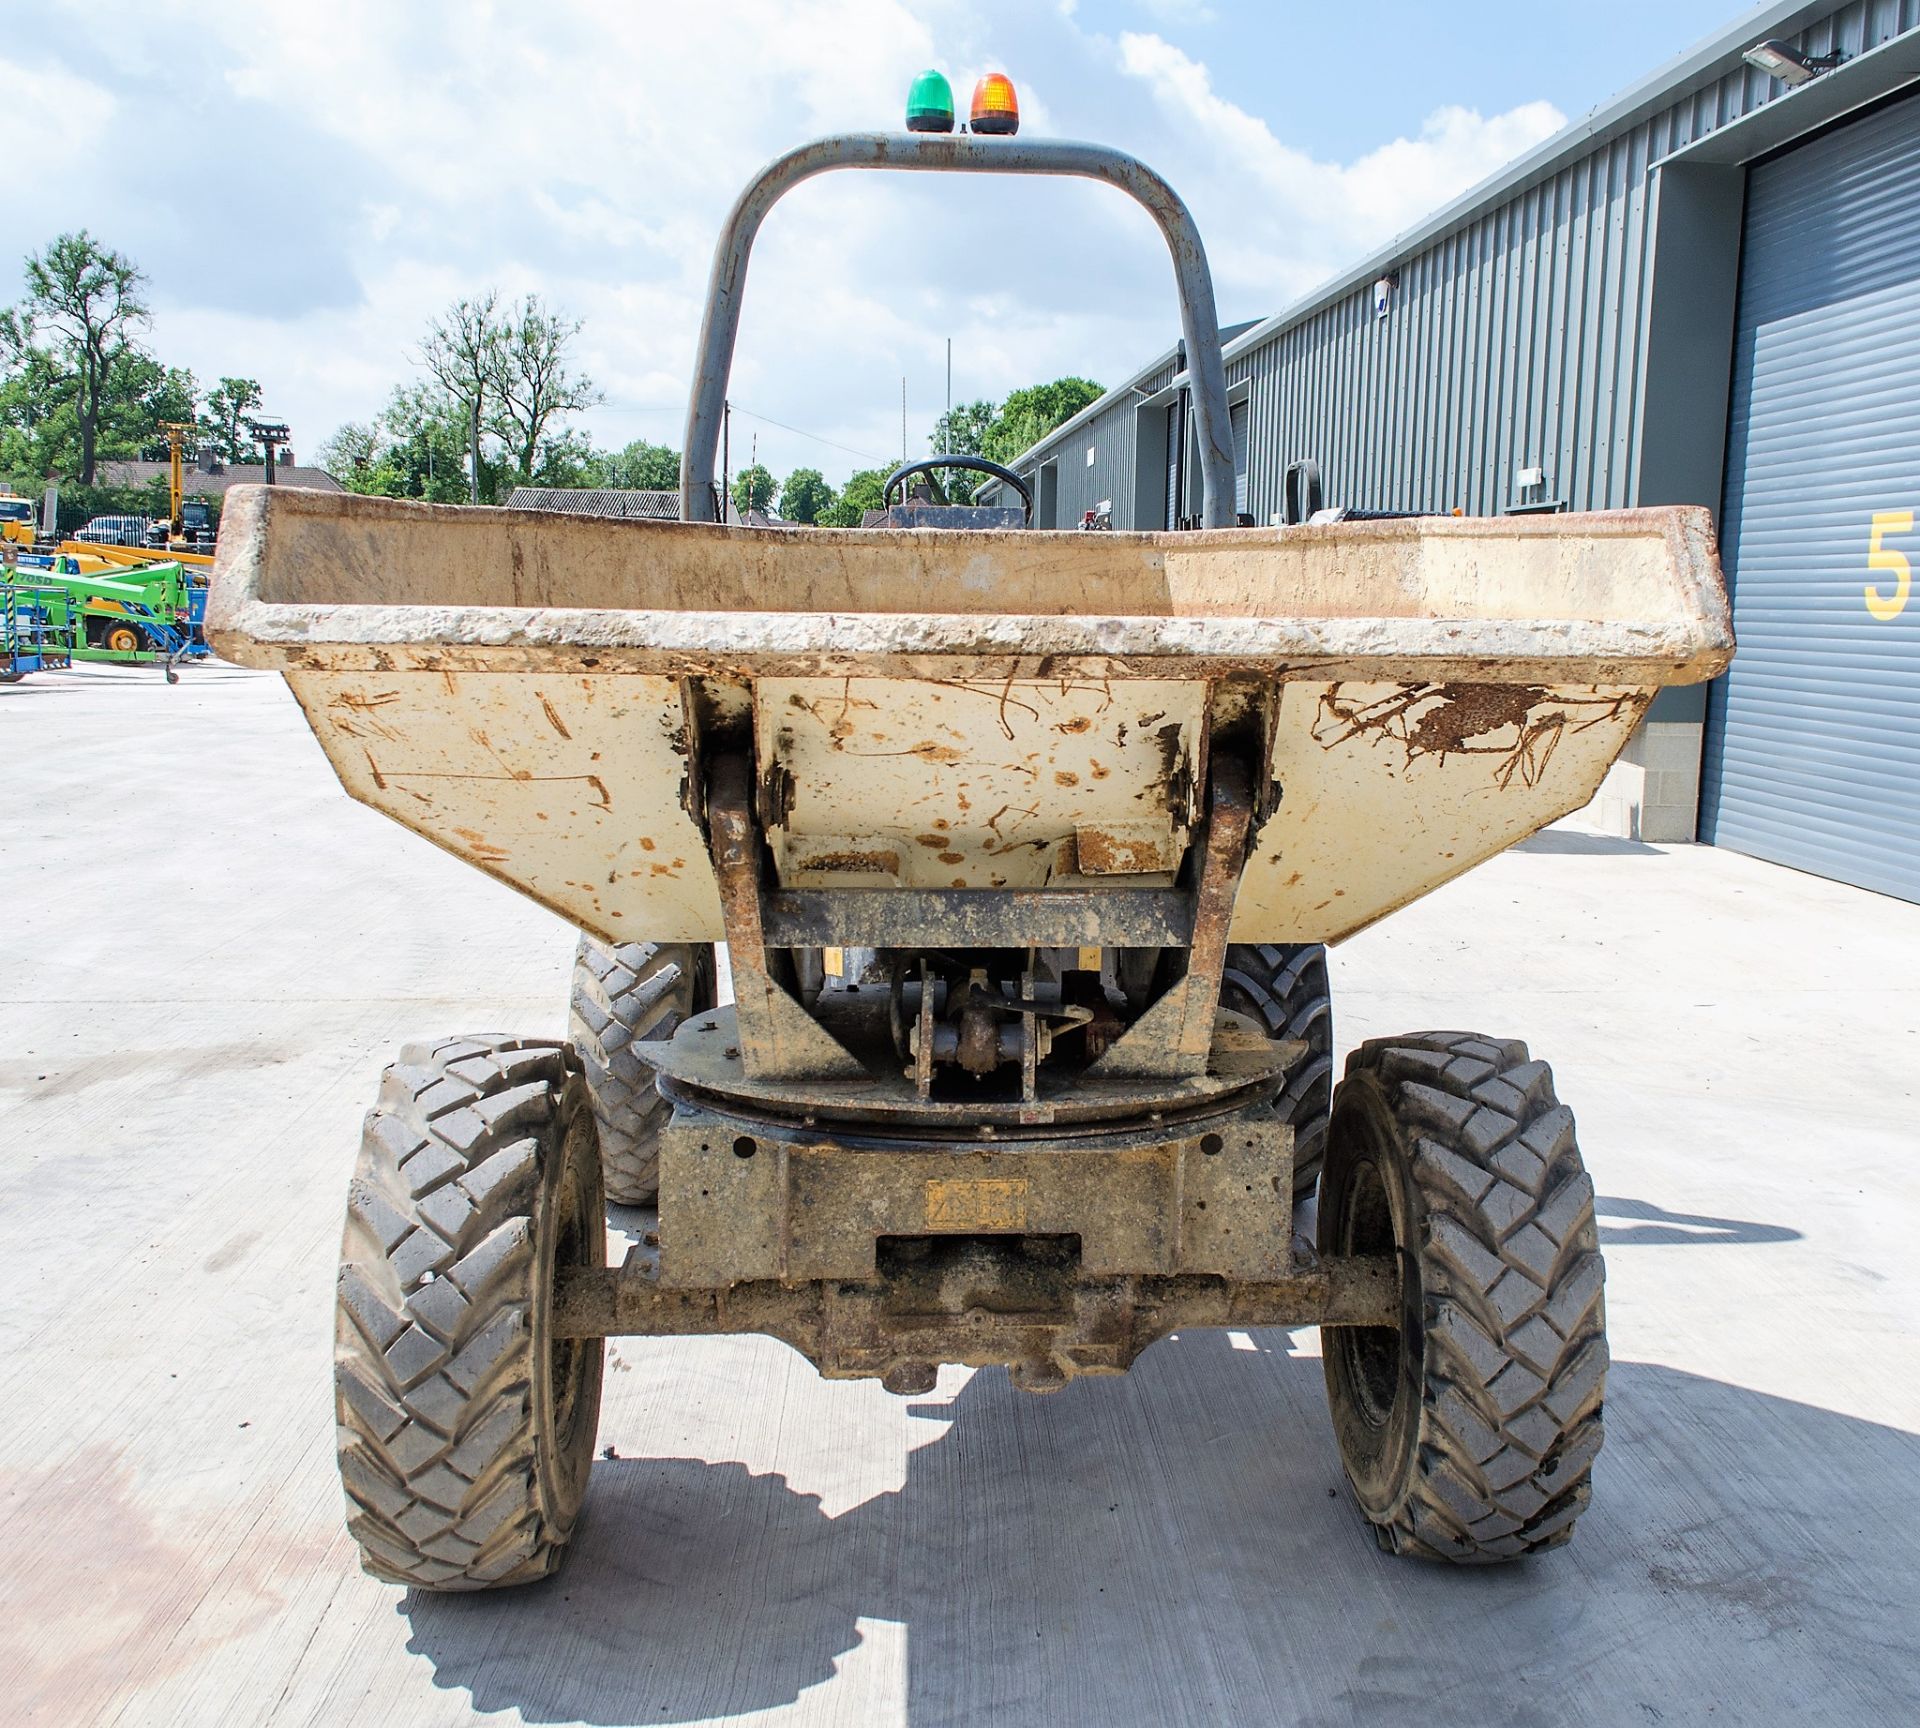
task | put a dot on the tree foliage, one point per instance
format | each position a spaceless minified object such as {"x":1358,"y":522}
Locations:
{"x":223,"y":426}
{"x":861,"y":493}
{"x":640,"y":467}
{"x":805,"y":496}
{"x":753,"y":489}
{"x":1028,"y":415}
{"x":532,"y":383}
{"x":1000,"y":432}
{"x":71,"y":334}
{"x":416,"y":447}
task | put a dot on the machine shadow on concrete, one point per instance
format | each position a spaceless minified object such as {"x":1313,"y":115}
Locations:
{"x":1178,"y":1545}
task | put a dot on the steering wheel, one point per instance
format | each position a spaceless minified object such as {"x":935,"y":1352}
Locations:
{"x":979,"y":464}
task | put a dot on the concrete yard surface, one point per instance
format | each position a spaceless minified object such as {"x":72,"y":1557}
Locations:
{"x":210,"y":952}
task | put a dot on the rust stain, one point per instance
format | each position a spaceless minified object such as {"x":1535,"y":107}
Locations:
{"x":874,"y":863}
{"x":646,"y":845}
{"x":373,"y":768}
{"x":1099,"y":853}
{"x":481,"y":847}
{"x":1080,"y":723}
{"x":953,"y":857}
{"x":107,"y":1576}
{"x":932,"y":842}
{"x":1061,"y":777}
{"x":554,"y":719}
{"x":1098,"y":769}
{"x":599,"y":786}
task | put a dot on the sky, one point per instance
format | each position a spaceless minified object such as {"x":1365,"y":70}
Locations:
{"x":307,"y":184}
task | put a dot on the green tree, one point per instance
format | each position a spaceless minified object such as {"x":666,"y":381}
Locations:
{"x":531,"y":380}
{"x":1029,"y":415}
{"x":753,"y":489}
{"x":641,"y":467}
{"x":460,"y":352}
{"x":568,"y":459}
{"x":805,"y":496}
{"x":36,"y":413}
{"x":228,"y":404}
{"x":961,"y":431}
{"x":416,"y":448}
{"x":861,"y":493}
{"x":353,"y":450}
{"x":90,"y":300}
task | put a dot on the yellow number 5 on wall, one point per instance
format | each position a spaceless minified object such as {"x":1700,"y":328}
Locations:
{"x":1887,"y":607}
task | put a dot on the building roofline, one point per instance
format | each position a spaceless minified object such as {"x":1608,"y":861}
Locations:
{"x":1692,"y":69}
{"x":1100,"y":403}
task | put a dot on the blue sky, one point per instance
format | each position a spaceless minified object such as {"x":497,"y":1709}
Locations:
{"x":319,"y":179}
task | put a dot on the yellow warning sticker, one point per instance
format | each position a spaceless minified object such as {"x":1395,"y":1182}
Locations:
{"x":990,"y":1205}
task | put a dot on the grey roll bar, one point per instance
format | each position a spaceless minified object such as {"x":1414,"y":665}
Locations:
{"x":958,"y":153}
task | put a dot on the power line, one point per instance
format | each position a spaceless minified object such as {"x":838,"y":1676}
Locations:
{"x":801,"y":432}
{"x":764,"y":419}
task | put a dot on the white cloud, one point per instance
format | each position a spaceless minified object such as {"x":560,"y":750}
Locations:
{"x":338,"y":172}
{"x":1308,"y":217}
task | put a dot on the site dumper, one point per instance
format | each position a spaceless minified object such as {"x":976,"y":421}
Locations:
{"x":1023,"y":846}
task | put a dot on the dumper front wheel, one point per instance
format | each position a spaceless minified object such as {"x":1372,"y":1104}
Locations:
{"x":1469,"y":1431}
{"x":625,"y":995}
{"x":1284,"y":987}
{"x":465,"y":1426}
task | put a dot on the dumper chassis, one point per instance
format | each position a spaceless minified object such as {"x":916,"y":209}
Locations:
{"x":1023,"y":846}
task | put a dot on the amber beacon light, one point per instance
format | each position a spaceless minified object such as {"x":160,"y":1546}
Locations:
{"x":996,"y":110}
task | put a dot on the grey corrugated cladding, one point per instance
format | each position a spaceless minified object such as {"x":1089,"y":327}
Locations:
{"x":1517,"y":335}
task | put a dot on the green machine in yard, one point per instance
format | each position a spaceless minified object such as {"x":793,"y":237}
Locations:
{"x":143,"y":614}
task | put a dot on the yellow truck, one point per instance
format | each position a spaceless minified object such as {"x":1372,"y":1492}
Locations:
{"x":17,"y":519}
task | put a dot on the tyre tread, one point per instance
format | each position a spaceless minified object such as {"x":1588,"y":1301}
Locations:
{"x":625,"y":995}
{"x":433,"y":1379}
{"x":1513,"y":1396}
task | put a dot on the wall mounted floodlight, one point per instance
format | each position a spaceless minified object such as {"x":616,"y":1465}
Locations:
{"x":1787,"y":63}
{"x":1383,"y":292}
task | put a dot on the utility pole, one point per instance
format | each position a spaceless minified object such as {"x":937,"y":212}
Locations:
{"x":473,"y":478}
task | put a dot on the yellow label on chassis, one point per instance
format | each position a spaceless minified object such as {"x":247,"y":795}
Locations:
{"x":976,"y":1205}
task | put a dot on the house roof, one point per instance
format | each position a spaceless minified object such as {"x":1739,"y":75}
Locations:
{"x":600,"y":501}
{"x":199,"y":484}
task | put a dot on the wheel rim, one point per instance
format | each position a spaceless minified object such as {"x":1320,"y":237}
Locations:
{"x":123,"y":641}
{"x":1373,"y":1372}
{"x":1372,"y":1358}
{"x":567,"y":1373}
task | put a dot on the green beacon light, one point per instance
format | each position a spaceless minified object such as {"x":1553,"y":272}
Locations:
{"x":930,"y":103}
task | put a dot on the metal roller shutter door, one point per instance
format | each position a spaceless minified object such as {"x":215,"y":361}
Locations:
{"x":1237,"y":419}
{"x":1813,"y":738}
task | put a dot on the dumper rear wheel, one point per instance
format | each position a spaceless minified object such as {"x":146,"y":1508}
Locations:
{"x":624,"y":995}
{"x":1284,"y":986}
{"x":1469,"y":1431}
{"x":465,"y":1427}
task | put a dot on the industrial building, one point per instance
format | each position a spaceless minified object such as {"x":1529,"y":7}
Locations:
{"x":1705,"y":292}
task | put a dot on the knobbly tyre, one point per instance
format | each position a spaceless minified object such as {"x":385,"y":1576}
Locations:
{"x":1024,"y":845}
